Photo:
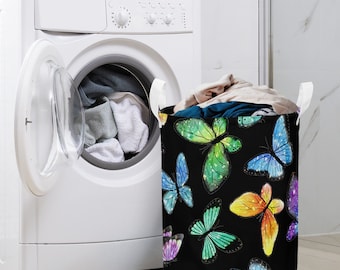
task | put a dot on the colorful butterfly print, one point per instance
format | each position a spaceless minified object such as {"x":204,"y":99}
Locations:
{"x":271,"y":163}
{"x":248,"y":121}
{"x":213,"y":239}
{"x":163,"y":117}
{"x":250,"y":204}
{"x":167,"y":231}
{"x":216,"y":168}
{"x":171,"y":245}
{"x":256,"y":264}
{"x":292,"y":207}
{"x":174,"y":189}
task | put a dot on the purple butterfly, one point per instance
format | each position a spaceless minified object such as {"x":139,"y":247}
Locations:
{"x":292,"y":207}
{"x":171,"y":245}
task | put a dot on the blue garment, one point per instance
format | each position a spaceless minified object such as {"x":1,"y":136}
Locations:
{"x":225,"y":109}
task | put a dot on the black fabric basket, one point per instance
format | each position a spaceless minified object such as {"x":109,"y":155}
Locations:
{"x":255,"y":187}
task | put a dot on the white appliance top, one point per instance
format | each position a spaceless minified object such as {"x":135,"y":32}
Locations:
{"x":114,"y":16}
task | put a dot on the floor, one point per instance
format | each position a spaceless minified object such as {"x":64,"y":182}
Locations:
{"x":319,"y":252}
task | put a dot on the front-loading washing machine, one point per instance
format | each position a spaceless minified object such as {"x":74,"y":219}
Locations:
{"x":79,"y":210}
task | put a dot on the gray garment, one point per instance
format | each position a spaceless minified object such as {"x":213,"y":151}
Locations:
{"x":106,"y":80}
{"x":99,"y":123}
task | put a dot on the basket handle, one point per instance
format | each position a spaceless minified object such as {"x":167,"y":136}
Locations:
{"x":304,"y":98}
{"x":157,"y":98}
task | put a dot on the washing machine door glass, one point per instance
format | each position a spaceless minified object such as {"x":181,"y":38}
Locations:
{"x":66,"y":112}
{"x":49,"y":118}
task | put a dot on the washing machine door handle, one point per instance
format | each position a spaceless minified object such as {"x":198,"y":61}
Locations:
{"x":49,"y":121}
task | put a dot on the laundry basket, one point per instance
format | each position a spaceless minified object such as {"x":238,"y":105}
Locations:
{"x":230,"y":192}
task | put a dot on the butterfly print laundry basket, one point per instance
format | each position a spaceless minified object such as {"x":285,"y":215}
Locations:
{"x":230,"y":192}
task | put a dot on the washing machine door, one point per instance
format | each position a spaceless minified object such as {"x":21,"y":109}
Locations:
{"x":49,"y":122}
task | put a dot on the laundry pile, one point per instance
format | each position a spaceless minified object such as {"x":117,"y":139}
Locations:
{"x":116,"y":117}
{"x":231,"y":97}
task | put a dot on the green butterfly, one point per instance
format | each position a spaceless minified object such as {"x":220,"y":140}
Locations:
{"x":216,"y":168}
{"x":213,"y":240}
{"x":248,"y":121}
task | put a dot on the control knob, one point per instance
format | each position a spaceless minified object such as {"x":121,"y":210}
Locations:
{"x":151,"y":18}
{"x":168,"y":19}
{"x":122,"y":17}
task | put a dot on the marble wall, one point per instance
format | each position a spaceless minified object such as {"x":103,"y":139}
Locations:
{"x":305,"y":47}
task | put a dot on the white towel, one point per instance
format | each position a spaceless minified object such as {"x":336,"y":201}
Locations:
{"x":107,"y":150}
{"x":132,"y":118}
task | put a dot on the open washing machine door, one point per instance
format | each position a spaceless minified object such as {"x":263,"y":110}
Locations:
{"x":49,"y":120}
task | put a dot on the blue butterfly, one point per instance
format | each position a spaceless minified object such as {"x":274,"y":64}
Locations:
{"x":177,"y":190}
{"x":256,"y":264}
{"x":272,"y":162}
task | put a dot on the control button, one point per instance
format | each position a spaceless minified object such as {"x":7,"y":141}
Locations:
{"x":151,"y":18}
{"x":168,"y":19}
{"x":122,"y":18}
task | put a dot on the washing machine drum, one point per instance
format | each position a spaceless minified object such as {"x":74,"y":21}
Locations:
{"x":119,"y":126}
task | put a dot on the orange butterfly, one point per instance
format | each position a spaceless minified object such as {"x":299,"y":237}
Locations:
{"x":163,"y":117}
{"x":250,"y":204}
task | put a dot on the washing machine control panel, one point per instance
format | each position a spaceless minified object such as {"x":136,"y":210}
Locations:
{"x":149,"y":16}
